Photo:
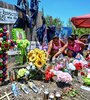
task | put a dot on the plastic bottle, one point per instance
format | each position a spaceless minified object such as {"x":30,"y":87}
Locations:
{"x":33,"y":87}
{"x":15,"y":90}
{"x":25,"y":88}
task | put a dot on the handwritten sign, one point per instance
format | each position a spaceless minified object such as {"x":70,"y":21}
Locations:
{"x":8,"y":16}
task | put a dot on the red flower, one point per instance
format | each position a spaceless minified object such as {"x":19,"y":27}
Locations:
{"x":78,"y":66}
{"x":48,"y":74}
{"x":89,"y":64}
{"x":1,"y":34}
{"x":1,"y":55}
{"x":82,"y":73}
{"x":1,"y":79}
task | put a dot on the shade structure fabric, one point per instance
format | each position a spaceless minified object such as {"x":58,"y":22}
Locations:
{"x":81,"y":21}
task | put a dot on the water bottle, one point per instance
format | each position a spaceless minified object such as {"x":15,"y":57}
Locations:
{"x":15,"y":90}
{"x":25,"y":88}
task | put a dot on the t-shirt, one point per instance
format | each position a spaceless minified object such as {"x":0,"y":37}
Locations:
{"x":76,"y":47}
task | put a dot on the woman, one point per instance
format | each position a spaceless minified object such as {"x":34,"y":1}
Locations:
{"x":74,"y":47}
{"x":56,"y":47}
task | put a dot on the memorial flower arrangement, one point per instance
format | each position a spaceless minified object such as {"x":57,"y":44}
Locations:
{"x":22,"y":43}
{"x":37,"y":57}
{"x":64,"y":77}
{"x":48,"y":74}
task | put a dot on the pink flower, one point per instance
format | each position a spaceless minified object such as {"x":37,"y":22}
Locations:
{"x":58,"y":66}
{"x":64,"y":77}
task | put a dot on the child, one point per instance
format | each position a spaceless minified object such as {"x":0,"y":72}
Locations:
{"x":74,"y":47}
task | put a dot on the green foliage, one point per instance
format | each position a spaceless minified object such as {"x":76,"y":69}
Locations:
{"x":86,"y":81}
{"x":80,"y":31}
{"x":53,"y":21}
{"x":1,"y":30}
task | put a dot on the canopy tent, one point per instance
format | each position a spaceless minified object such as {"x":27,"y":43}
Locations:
{"x":81,"y":21}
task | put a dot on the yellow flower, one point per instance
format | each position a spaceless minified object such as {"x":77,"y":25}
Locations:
{"x":31,"y":53}
{"x":39,"y":63}
{"x":44,"y":56}
{"x":36,"y":50}
{"x":39,"y":56}
{"x":32,"y":58}
{"x":42,"y":52}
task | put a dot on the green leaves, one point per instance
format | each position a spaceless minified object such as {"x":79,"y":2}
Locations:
{"x":73,"y":93}
{"x":80,"y":31}
{"x":86,"y":80}
{"x":53,"y":21}
{"x":22,"y":43}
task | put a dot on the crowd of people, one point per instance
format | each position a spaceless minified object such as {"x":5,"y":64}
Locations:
{"x":57,"y":46}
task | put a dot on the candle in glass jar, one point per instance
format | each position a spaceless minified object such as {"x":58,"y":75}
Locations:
{"x":57,"y":96}
{"x":51,"y":96}
{"x":46,"y":94}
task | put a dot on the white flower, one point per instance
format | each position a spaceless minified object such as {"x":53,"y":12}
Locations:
{"x":1,"y":39}
{"x":28,"y":67}
{"x":27,"y":73}
{"x":1,"y":60}
{"x":30,"y":64}
{"x":0,"y":48}
{"x":88,"y":76}
{"x":33,"y":67}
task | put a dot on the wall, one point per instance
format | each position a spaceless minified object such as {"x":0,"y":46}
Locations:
{"x":10,"y":25}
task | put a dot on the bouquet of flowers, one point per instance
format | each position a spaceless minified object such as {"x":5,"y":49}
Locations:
{"x":64,"y":77}
{"x":37,"y":57}
{"x":48,"y":74}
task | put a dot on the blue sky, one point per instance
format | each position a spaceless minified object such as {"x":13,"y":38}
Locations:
{"x":63,"y":9}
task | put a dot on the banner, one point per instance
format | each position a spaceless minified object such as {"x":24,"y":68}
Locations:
{"x":8,"y":16}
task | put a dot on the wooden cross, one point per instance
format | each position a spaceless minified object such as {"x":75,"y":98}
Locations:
{"x":6,"y":95}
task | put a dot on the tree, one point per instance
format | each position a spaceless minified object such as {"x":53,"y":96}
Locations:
{"x":80,"y":31}
{"x":69,"y":23}
{"x":53,"y":21}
